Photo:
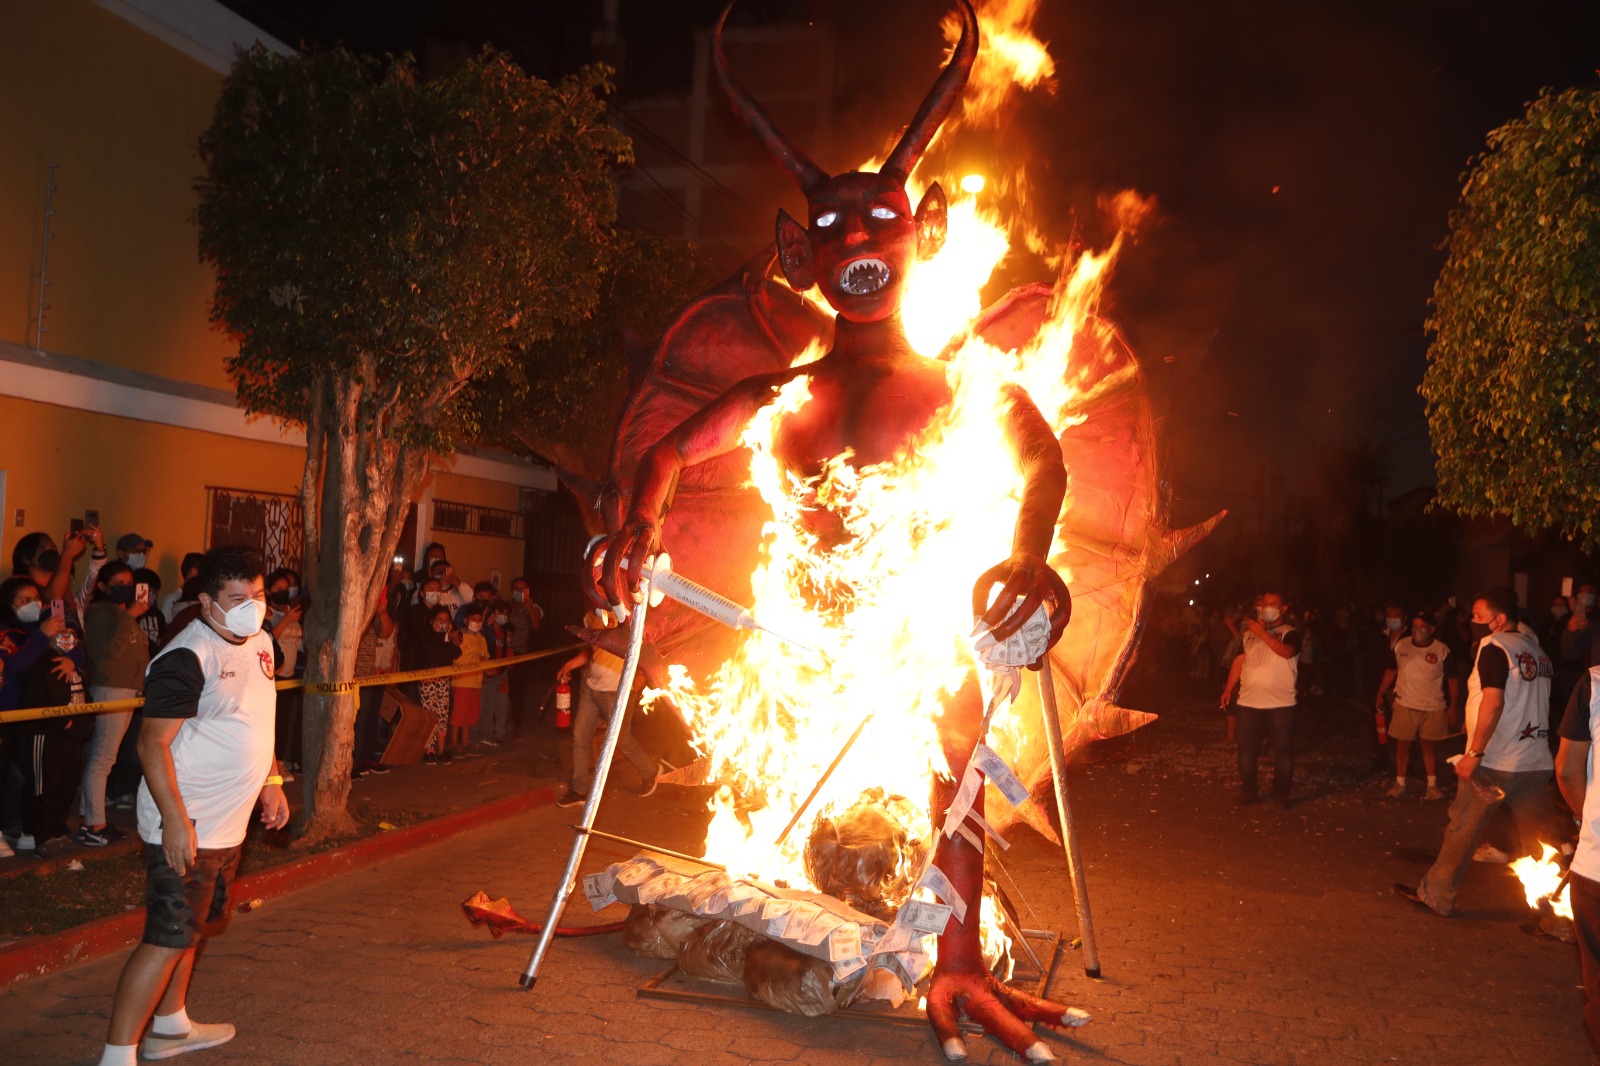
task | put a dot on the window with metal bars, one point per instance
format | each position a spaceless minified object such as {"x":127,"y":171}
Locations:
{"x":452,"y":517}
{"x":268,"y":523}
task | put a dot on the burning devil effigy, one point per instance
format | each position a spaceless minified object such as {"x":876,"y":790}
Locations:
{"x":842,"y":438}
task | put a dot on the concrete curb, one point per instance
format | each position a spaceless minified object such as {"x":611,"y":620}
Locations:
{"x":42,"y":955}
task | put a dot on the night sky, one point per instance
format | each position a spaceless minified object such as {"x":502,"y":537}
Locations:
{"x":1361,"y":115}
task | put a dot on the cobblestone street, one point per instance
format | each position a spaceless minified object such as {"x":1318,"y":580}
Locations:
{"x":1227,"y":936}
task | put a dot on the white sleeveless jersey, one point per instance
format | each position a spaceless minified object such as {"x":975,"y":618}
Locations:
{"x":224,"y":753}
{"x":1586,"y":860}
{"x":1520,"y":741}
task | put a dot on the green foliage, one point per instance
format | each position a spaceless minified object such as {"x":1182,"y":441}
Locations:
{"x":1513,"y":385}
{"x":577,"y":380}
{"x":406,"y":235}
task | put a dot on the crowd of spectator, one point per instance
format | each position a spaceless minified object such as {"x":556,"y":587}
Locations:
{"x":1346,"y":650}
{"x":79,"y":624}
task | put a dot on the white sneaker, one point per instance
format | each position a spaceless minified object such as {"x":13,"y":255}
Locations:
{"x":5,"y":850}
{"x":1398,"y":791}
{"x":1434,"y":793}
{"x":25,"y":842}
{"x":1490,"y":853}
{"x":200,"y":1036}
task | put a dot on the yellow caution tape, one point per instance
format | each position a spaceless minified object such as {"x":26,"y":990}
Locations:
{"x":325,"y":688}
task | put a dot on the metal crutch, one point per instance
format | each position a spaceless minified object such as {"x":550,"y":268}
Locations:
{"x":1069,"y":829}
{"x":591,"y":806}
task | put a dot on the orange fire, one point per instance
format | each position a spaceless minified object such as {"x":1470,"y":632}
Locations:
{"x":889,"y":603}
{"x":1541,"y":878}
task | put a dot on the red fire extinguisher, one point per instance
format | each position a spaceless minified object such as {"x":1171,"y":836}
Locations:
{"x":1383,"y":726}
{"x":563,"y":705}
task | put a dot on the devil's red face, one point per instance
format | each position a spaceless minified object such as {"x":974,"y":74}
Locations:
{"x":861,"y":242}
{"x":863,"y":239}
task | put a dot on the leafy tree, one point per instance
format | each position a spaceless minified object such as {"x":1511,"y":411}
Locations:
{"x":577,"y":381}
{"x":1513,"y":386}
{"x":383,"y":245}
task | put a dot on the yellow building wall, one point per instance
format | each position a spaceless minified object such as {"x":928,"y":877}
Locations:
{"x":121,"y":113}
{"x":476,"y":558}
{"x":142,"y":477}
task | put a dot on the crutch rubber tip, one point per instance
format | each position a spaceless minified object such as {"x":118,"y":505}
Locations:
{"x":1091,"y":973}
{"x":527,"y":981}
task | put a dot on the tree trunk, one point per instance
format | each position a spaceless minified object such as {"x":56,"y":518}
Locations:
{"x":357,"y":488}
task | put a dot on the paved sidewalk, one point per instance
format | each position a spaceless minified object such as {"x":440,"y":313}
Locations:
{"x":1227,"y":936}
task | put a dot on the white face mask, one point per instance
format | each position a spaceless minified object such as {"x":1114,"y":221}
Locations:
{"x":499,"y":619}
{"x":28,"y":613}
{"x":518,"y":595}
{"x":244,"y":619}
{"x":473,"y":627}
{"x":430,"y":598}
{"x":1393,"y":623}
{"x":1586,"y":598}
{"x":137,"y":560}
{"x":1270,"y":615}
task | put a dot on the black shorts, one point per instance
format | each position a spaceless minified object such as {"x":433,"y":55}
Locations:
{"x":179,"y":911}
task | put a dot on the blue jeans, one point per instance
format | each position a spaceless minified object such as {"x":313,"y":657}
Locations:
{"x":1254,"y":723}
{"x":494,"y":720}
{"x":1528,"y":796}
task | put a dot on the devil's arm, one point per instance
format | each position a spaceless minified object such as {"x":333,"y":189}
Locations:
{"x":712,"y":431}
{"x":1027,"y":573}
{"x":1044,"y":483}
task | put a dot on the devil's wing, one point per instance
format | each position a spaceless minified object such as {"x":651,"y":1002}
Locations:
{"x":1113,"y":536}
{"x":750,"y":324}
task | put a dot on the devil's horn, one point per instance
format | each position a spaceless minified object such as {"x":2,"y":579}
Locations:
{"x":946,"y":91}
{"x":792,"y":159}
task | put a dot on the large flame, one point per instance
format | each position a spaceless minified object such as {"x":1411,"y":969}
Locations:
{"x":884,"y":587}
{"x":1542,"y":879}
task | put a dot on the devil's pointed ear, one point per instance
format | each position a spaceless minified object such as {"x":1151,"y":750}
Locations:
{"x":794,"y":253}
{"x":933,"y":219}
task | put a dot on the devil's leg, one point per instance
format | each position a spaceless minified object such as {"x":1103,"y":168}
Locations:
{"x":961,"y":982}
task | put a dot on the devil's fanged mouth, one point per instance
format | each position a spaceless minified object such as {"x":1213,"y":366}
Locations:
{"x":864,"y":276}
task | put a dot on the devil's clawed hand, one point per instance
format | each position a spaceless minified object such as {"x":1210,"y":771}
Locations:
{"x":620,"y":558}
{"x":1032,"y":581}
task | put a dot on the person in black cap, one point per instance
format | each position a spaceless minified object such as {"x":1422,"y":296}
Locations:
{"x":134,"y":550}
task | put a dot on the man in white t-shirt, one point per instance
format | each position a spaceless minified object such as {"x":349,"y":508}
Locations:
{"x":1417,"y":674}
{"x":1508,"y":748}
{"x":206,"y":746}
{"x":1575,"y":768}
{"x":1265,"y":673}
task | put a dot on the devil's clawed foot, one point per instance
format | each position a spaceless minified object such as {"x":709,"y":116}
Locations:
{"x":1005,"y":1013}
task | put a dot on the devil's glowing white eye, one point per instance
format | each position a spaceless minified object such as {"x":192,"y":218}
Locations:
{"x":884,"y":212}
{"x":827,"y":218}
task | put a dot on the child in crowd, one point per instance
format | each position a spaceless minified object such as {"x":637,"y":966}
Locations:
{"x":466,"y":690}
{"x":441,"y":649}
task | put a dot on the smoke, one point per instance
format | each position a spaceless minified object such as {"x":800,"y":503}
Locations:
{"x":1304,"y":158}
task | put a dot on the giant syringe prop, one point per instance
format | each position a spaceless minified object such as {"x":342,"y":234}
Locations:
{"x":665,"y":583}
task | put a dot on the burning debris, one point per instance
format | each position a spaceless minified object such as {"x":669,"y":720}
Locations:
{"x":1544,"y":884}
{"x":865,"y":855}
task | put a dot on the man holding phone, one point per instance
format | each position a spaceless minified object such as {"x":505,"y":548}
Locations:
{"x":206,"y":745}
